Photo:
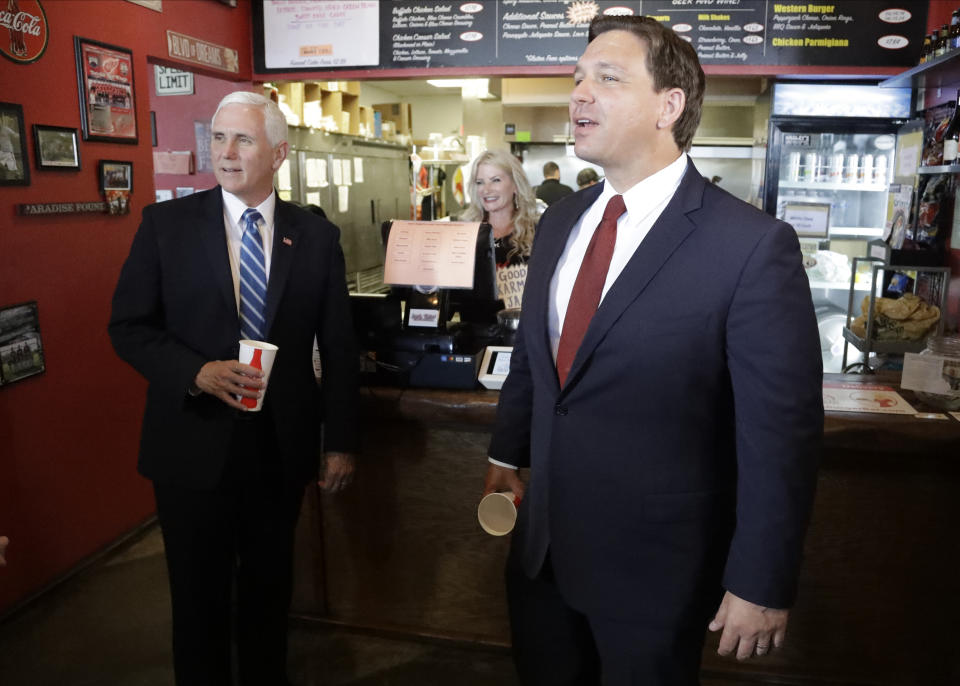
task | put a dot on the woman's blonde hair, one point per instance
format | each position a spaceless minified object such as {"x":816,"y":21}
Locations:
{"x":524,"y":201}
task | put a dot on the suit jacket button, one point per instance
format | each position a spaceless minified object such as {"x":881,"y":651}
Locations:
{"x":560,"y":410}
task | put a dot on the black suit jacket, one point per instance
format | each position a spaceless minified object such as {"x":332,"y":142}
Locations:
{"x":684,"y":446}
{"x":174,"y":309}
{"x":552,"y":190}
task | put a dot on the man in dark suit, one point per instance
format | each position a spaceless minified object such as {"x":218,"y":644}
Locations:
{"x":203,"y":272}
{"x":665,"y":391}
{"x":551,"y":189}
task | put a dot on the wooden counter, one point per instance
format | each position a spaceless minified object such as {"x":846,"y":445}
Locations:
{"x":402,"y":550}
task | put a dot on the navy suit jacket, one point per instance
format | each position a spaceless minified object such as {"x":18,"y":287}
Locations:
{"x":175,"y":309}
{"x":682,"y":451}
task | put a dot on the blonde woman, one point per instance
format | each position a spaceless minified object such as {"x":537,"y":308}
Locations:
{"x":501,"y":196}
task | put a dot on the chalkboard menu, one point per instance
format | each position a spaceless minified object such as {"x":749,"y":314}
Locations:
{"x":309,"y":35}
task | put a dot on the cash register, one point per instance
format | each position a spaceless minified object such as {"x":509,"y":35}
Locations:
{"x":431,"y":335}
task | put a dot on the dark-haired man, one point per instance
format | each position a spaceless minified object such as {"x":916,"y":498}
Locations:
{"x":665,"y":391}
{"x":551,"y":189}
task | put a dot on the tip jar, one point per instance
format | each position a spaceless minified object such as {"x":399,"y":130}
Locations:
{"x":947,"y":347}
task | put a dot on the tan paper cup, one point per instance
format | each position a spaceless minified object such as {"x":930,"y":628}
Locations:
{"x":497,"y":513}
{"x":260,"y":355}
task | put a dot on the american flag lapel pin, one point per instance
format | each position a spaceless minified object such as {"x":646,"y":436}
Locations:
{"x":287,"y":241}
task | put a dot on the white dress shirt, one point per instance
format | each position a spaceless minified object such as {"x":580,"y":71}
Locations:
{"x":233,"y":209}
{"x":645,"y":202}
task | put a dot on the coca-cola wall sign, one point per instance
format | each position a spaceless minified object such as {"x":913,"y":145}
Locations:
{"x":23,"y":30}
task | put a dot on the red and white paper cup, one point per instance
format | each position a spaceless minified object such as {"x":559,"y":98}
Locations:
{"x":260,"y":355}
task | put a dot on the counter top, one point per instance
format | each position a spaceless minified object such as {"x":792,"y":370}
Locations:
{"x":852,"y":431}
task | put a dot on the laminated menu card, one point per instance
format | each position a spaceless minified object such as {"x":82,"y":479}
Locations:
{"x":848,"y":397}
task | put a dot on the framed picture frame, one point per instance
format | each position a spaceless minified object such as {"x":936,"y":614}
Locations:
{"x":115,"y":175}
{"x":56,"y":148}
{"x":21,"y":348}
{"x":108,"y":111}
{"x":14,"y":162}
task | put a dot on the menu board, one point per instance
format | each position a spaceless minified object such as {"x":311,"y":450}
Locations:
{"x":316,"y":35}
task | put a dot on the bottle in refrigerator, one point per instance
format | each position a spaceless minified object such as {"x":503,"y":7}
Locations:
{"x":880,"y":169}
{"x":793,"y":166}
{"x":836,"y":167}
{"x":824,"y":154}
{"x":808,"y":170}
{"x":852,"y":169}
{"x":865,"y":172}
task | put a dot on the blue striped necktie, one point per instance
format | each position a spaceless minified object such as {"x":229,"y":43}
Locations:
{"x":253,"y":279}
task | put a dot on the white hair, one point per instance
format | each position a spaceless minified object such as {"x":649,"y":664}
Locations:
{"x":273,"y":119}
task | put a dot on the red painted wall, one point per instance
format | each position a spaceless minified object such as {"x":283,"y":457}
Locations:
{"x":175,"y":115}
{"x":68,"y":438}
{"x":939,"y":13}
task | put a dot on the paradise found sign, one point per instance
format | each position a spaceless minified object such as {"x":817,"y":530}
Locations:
{"x":304,"y":35}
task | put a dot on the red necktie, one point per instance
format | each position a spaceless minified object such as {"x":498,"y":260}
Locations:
{"x":585,"y":298}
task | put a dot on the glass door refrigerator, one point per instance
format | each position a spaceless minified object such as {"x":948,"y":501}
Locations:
{"x":830,"y":156}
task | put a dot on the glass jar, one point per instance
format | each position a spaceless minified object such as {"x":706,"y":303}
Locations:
{"x":947,"y":347}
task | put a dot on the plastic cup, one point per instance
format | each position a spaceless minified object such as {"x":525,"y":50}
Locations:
{"x":497,"y":513}
{"x":260,"y":355}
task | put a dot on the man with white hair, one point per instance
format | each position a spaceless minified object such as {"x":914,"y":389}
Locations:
{"x":204,"y":272}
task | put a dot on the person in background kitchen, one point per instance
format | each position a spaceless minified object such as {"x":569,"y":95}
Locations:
{"x":551,"y":189}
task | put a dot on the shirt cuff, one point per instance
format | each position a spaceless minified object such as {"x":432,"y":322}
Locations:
{"x":501,"y":464}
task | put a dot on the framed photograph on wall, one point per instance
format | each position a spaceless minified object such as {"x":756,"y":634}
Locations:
{"x":56,"y":147}
{"x":108,"y":111}
{"x":21,"y":349}
{"x":14,"y":165}
{"x":115,"y":175}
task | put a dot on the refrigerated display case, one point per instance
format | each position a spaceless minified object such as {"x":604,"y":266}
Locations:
{"x":833,"y":144}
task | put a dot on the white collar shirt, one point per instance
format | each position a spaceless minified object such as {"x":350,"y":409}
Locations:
{"x":233,"y":209}
{"x":645,"y":202}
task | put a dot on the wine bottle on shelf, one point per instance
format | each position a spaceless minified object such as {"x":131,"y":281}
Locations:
{"x":951,"y":136}
{"x":925,"y":50}
{"x":940,"y":47}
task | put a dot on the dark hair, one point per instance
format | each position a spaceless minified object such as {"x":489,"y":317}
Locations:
{"x":587,"y":176}
{"x":316,"y":209}
{"x":671,"y":61}
{"x":550,"y":168}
